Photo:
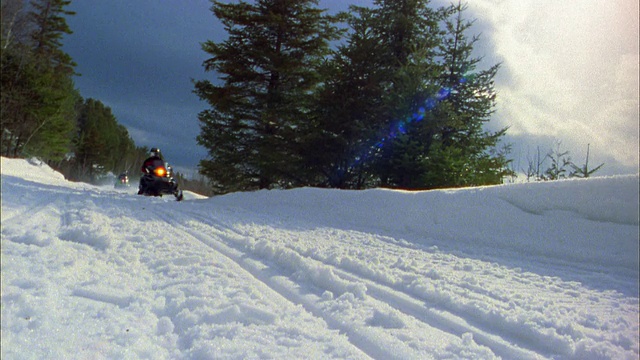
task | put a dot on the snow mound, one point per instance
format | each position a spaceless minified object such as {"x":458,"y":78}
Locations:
{"x":606,"y":199}
{"x":484,"y":221}
{"x":32,"y":170}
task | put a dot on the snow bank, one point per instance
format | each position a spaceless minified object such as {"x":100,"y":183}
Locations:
{"x":568,"y":221}
{"x":31,"y":169}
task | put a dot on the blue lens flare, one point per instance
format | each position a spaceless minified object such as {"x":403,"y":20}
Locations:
{"x":430,"y":103}
{"x":443,"y":94}
{"x":401,"y":127}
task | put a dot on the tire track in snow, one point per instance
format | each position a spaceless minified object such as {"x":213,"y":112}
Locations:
{"x":25,"y":224}
{"x":40,"y":204}
{"x":457,"y":323}
{"x":27,"y":213}
{"x":507,"y":339}
{"x":429,"y":314}
{"x":230,"y":243}
{"x":502,"y":342}
{"x":186,"y":256}
{"x":285,"y":287}
{"x":441,"y":319}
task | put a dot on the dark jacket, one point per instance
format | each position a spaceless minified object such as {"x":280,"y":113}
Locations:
{"x":151,"y":163}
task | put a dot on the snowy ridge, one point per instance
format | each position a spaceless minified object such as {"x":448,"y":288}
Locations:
{"x":567,"y":215}
{"x":528,"y":271}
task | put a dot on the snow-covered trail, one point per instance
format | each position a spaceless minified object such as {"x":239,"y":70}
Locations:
{"x":126,"y":272}
{"x":308,"y":279}
{"x":95,"y":273}
{"x":405,"y":294}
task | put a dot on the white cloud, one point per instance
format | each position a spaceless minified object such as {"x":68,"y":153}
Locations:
{"x":572,"y":71}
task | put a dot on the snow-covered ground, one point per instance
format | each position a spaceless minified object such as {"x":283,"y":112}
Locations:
{"x":523,"y":271}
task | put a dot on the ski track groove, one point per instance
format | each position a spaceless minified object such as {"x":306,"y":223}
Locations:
{"x":456,"y":322}
{"x":41,"y":205}
{"x":440,"y":318}
{"x":287,"y":290}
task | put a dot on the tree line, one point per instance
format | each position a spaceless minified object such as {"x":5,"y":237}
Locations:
{"x":398,"y":102}
{"x":42,"y":114}
{"x":381,"y":96}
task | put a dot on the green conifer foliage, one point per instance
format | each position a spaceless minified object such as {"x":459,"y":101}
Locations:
{"x":444,"y":144}
{"x":268,"y":69}
{"x":38,"y":94}
{"x":48,"y":17}
{"x":379,"y":76}
{"x":584,"y":171}
{"x":101,"y":145}
{"x":399,"y":104}
{"x":349,"y":109}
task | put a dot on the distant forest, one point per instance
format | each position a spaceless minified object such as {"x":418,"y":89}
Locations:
{"x":42,"y":113}
{"x":387,"y":96}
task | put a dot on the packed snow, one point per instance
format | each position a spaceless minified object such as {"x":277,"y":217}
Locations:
{"x":521,"y":271}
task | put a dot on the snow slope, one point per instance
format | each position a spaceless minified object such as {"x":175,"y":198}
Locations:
{"x":526,"y":271}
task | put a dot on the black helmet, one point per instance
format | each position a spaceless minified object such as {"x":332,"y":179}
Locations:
{"x":154,"y":152}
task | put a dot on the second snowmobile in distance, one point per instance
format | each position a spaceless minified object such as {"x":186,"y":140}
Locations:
{"x":122,"y":180}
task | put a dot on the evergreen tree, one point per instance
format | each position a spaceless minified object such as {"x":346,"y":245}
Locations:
{"x":48,"y":17}
{"x":91,"y":147}
{"x":38,"y":94}
{"x":584,"y":171}
{"x":349,"y":110}
{"x":19,"y":78}
{"x":269,"y":71}
{"x":386,"y":69}
{"x":413,"y":33}
{"x":471,"y":152}
{"x":101,"y":144}
{"x":559,"y":163}
{"x":443,"y":143}
{"x":20,"y":97}
{"x":52,"y":139}
{"x":42,"y":114}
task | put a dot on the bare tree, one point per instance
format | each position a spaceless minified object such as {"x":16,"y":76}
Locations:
{"x":13,"y":21}
{"x":534,"y":166}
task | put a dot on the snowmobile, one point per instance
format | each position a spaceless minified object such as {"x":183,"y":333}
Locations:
{"x":122,"y":181}
{"x":159,"y":181}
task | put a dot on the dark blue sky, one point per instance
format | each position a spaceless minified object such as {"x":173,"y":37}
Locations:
{"x":139,"y":58}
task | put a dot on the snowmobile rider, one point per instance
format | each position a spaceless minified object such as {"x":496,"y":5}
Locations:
{"x":154,"y":160}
